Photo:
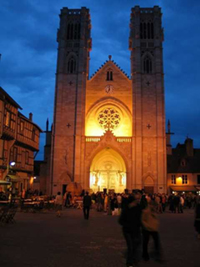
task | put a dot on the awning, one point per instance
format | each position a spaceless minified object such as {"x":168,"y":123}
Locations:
{"x":14,"y":178}
{"x":3,"y":182}
{"x":184,"y":188}
{"x":198,"y":188}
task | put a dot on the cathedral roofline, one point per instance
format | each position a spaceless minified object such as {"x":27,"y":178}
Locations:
{"x":104,"y":64}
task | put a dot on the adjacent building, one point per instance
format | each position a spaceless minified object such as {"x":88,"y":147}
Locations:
{"x":183,"y":166}
{"x":19,"y":143}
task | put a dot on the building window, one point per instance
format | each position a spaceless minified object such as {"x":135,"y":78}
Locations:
{"x":23,"y":159}
{"x":33,"y":134}
{"x":26,"y":157}
{"x":21,"y":127}
{"x":15,"y":154}
{"x":71,"y":67}
{"x":73,"y":31}
{"x":109,"y":119}
{"x":173,"y":179}
{"x":198,"y":179}
{"x":7,"y":118}
{"x":184,"y":179}
{"x":109,"y":76}
{"x":183,"y":163}
{"x":146,"y":30}
{"x":147,"y":65}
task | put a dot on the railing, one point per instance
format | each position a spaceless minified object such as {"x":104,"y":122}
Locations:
{"x":92,"y":139}
{"x":118,"y":139}
{"x":124,"y":139}
{"x":24,"y":140}
{"x":7,"y":131}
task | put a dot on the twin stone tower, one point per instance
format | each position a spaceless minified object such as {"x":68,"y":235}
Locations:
{"x":109,"y":130}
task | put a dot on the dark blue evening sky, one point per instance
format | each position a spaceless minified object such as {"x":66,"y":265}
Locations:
{"x":28,"y":46}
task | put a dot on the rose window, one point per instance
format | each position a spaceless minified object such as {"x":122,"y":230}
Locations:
{"x":109,"y":119}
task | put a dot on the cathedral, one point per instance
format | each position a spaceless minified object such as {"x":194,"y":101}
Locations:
{"x":109,"y":129}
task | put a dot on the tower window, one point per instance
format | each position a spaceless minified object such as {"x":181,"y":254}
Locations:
{"x":146,"y":30}
{"x":73,"y":31}
{"x":109,"y":76}
{"x":71,"y":67}
{"x":147,"y":65}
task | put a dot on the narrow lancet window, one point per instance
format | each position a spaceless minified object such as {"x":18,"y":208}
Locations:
{"x":109,"y":76}
{"x":147,"y":65}
{"x":71,"y":67}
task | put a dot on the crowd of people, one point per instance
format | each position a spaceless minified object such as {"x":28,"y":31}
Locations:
{"x":12,"y":192}
{"x":138,"y":216}
{"x":112,"y":203}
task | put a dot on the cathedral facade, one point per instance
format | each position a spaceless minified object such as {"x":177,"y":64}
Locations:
{"x":109,"y":129}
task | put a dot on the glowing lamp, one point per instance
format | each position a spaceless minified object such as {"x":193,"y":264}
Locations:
{"x":12,"y":163}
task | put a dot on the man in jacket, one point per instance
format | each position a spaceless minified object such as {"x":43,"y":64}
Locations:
{"x":130,"y":220}
{"x":87,"y":201}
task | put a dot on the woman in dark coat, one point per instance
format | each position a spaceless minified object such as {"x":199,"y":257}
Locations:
{"x":197,"y":217}
{"x":130,"y":221}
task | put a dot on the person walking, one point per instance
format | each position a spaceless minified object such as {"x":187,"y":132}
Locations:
{"x":197,"y":217}
{"x":87,"y":201}
{"x":150,"y":225}
{"x":181,"y":204}
{"x":58,"y":203}
{"x":130,"y":220}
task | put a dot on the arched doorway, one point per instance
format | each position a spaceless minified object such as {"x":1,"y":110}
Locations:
{"x":108,"y":171}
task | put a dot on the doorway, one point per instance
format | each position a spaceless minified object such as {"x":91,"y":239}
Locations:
{"x":108,"y":171}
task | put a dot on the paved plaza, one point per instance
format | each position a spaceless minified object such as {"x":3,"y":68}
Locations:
{"x":43,"y":240}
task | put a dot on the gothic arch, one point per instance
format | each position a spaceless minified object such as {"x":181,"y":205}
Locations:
{"x":71,"y":63}
{"x":94,"y":126}
{"x":105,"y":100}
{"x":115,"y":166}
{"x":147,"y":63}
{"x":102,"y":147}
{"x":65,"y":177}
{"x":148,"y":179}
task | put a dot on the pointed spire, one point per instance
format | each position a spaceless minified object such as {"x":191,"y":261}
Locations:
{"x":169,"y":126}
{"x":47,"y":125}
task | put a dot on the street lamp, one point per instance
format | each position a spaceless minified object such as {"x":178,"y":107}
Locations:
{"x":12,"y":163}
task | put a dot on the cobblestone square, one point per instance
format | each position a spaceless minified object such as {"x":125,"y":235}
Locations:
{"x":43,"y":240}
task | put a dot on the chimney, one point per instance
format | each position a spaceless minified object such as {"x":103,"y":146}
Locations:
{"x":189,"y":147}
{"x":30,"y":116}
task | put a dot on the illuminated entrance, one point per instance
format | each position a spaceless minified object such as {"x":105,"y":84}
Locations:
{"x":108,"y":171}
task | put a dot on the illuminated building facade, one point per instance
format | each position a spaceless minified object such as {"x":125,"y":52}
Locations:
{"x":183,"y":165}
{"x":109,"y":129}
{"x":19,"y":143}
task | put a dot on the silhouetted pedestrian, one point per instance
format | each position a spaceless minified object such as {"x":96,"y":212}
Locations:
{"x":150,"y":225}
{"x":197,"y":217}
{"x":87,"y":201}
{"x":130,"y":220}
